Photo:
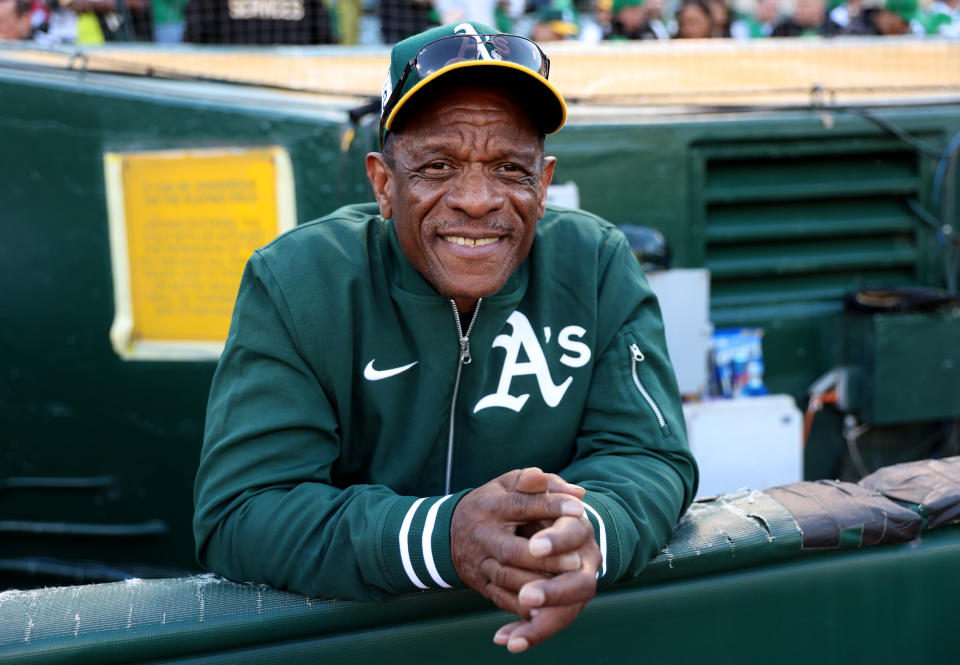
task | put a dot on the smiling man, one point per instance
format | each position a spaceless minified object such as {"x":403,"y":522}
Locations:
{"x":455,"y":386}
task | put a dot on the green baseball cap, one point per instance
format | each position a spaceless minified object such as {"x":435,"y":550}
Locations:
{"x":905,"y":9}
{"x":470,"y":51}
{"x":561,"y":21}
{"x":623,"y":4}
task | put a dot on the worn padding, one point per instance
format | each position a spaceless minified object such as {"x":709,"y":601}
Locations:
{"x":888,"y":506}
{"x":933,"y":484}
{"x":174,"y":618}
{"x":829,"y":510}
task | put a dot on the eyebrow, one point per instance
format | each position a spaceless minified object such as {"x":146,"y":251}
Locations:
{"x":428,"y":147}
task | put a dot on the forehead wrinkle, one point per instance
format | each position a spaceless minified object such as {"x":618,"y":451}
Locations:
{"x":488,"y":115}
{"x":464,"y":140}
{"x":466,"y":123}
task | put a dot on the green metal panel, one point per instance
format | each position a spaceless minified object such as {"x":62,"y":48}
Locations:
{"x":789,"y":210}
{"x":630,"y":173}
{"x":122,"y":437}
{"x":905,"y":366}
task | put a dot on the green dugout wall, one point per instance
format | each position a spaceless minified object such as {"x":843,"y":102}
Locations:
{"x":788,"y":208}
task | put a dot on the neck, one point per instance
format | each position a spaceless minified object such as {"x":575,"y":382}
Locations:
{"x":465,"y":306}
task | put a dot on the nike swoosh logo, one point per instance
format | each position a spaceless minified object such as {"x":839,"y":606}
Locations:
{"x":371,"y":374}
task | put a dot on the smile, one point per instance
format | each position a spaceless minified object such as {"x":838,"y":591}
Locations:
{"x":470,"y":242}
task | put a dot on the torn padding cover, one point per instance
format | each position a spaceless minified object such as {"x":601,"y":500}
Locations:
{"x":933,"y":485}
{"x":825,"y":509}
{"x":873,"y":509}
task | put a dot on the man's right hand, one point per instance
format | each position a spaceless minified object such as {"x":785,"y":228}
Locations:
{"x":554,"y":603}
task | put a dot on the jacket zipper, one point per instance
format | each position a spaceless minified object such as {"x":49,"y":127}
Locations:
{"x":465,"y":359}
{"x":638,"y":358}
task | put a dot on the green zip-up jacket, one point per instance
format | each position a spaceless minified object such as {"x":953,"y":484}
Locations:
{"x":340,"y":397}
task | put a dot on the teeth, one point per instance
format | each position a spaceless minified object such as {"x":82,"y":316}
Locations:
{"x":470,"y":242}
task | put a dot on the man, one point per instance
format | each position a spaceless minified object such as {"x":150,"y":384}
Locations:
{"x":894,"y":18}
{"x":809,"y":19}
{"x":15,"y":19}
{"x":554,"y":24}
{"x":397,"y":374}
{"x":401,"y":18}
{"x":638,"y":19}
{"x":759,"y":23}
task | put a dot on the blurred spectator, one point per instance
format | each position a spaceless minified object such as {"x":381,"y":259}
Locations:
{"x":15,"y":19}
{"x":694,"y":20}
{"x":44,"y":26}
{"x":258,"y":22}
{"x":720,"y":17}
{"x":809,"y":19}
{"x":502,"y":19}
{"x":944,"y":19}
{"x":348,"y":13}
{"x":138,"y":24}
{"x":482,"y":11}
{"x":401,"y":18}
{"x":92,"y":22}
{"x":595,"y":28}
{"x":168,"y":24}
{"x":893,"y":18}
{"x":99,"y":21}
{"x":845,"y":12}
{"x":638,"y":19}
{"x":554,"y":25}
{"x":760,"y":23}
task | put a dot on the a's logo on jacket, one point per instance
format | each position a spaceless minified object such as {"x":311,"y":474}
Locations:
{"x":576,"y":354}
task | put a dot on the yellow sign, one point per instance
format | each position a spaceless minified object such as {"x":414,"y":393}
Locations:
{"x":182,"y":225}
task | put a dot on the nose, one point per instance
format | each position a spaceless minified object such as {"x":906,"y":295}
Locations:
{"x":475,"y":193}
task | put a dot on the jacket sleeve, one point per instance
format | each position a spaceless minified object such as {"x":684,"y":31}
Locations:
{"x":266,"y":509}
{"x":632,"y":454}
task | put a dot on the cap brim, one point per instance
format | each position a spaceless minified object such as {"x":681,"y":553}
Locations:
{"x":550,"y":106}
{"x":565,"y":28}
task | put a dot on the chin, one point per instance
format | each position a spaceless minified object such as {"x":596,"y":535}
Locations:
{"x":472,"y":289}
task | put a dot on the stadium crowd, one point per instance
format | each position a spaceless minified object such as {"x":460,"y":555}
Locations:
{"x":388,"y":21}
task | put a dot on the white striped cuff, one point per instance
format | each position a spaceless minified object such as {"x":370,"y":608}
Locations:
{"x":600,"y":530}
{"x":416,"y":543}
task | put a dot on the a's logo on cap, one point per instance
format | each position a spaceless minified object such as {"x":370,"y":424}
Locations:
{"x":465,"y":29}
{"x":483,"y":52}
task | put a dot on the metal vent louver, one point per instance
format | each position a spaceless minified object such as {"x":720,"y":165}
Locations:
{"x":792,"y":226}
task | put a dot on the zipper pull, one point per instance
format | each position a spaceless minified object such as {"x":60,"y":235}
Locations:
{"x":465,"y":358}
{"x":637,"y":353}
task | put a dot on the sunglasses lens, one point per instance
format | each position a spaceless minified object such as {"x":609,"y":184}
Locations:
{"x":468,"y":48}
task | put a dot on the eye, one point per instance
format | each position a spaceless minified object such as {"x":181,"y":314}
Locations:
{"x":437,"y":167}
{"x":513,"y":172}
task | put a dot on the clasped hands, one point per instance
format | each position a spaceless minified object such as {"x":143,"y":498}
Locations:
{"x":523,"y":541}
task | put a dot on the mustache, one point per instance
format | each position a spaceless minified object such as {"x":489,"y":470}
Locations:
{"x":496,"y":224}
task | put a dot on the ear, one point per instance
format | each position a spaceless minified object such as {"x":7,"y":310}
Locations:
{"x":381,"y":177}
{"x":545,"y":178}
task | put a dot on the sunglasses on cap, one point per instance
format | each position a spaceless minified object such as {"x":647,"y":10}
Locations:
{"x":448,"y":51}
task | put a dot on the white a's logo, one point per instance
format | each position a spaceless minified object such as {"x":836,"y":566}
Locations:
{"x":524,"y":337}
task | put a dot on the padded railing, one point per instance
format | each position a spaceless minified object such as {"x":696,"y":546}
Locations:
{"x":738,"y":583}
